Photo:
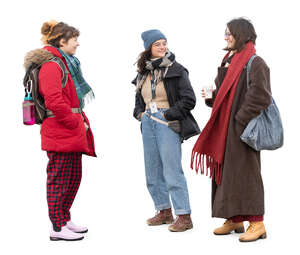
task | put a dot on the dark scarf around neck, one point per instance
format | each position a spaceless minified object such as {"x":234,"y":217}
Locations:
{"x":157,"y":67}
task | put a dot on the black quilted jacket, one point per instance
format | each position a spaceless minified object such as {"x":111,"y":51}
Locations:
{"x":181,"y":99}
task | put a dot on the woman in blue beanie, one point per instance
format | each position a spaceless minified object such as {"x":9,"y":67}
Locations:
{"x":164,"y":99}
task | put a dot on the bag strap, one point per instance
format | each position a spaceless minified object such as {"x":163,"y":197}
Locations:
{"x":248,"y":69}
{"x":64,"y":69}
{"x":156,"y":119}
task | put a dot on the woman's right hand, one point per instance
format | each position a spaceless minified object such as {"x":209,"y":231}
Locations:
{"x":203,"y":93}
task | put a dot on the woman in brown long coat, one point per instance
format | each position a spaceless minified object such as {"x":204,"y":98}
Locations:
{"x":235,"y":168}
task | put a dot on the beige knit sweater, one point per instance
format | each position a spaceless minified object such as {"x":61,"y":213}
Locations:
{"x":161,"y":99}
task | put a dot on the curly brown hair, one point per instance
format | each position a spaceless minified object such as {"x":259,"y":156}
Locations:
{"x":143,"y":57}
{"x":53,"y":32}
{"x":243,"y":31}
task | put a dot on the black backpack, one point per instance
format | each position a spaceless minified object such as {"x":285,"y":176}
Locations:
{"x":31,"y":82}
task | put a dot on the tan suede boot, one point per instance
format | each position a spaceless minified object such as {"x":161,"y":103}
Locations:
{"x":162,"y":217}
{"x":182,"y":223}
{"x":256,"y":230}
{"x":228,"y":227}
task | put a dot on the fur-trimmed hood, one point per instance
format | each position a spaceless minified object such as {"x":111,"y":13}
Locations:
{"x":37,"y":56}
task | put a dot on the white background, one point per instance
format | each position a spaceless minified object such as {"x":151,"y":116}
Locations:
{"x":113,"y":200}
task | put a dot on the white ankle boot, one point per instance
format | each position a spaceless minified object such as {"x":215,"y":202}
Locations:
{"x":77,"y":229}
{"x":65,"y":234}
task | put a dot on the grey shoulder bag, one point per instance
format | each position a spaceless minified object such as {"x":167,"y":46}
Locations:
{"x":264,"y":132}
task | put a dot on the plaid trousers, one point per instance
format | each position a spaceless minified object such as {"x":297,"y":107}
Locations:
{"x":64,"y":172}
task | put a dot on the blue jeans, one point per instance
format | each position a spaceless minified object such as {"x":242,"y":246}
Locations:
{"x":164,"y":175}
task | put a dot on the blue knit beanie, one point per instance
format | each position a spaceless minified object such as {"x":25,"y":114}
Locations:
{"x":151,"y":36}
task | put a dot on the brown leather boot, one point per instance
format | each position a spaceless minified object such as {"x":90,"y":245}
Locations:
{"x":228,"y":227}
{"x":182,"y":223}
{"x":162,"y":217}
{"x":256,"y":230}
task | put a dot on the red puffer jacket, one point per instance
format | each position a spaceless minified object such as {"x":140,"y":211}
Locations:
{"x":65,"y":132}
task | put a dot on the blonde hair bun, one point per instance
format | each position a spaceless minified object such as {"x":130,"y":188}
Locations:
{"x":48,"y":27}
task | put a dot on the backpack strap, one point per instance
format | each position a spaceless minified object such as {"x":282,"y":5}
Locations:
{"x":248,"y":69}
{"x":64,"y":69}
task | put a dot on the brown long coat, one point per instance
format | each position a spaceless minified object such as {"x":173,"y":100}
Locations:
{"x":241,"y":191}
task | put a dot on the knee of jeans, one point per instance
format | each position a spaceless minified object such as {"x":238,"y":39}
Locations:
{"x":174,"y":185}
{"x":172,"y":162}
{"x":174,"y":175}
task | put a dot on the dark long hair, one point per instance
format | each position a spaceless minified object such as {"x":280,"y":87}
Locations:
{"x":143,"y":57}
{"x":243,"y":31}
{"x":53,"y":34}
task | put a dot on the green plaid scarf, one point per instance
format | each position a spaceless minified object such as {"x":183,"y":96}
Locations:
{"x":84,"y":92}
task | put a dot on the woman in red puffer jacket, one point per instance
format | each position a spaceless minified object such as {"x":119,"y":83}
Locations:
{"x":65,"y":133}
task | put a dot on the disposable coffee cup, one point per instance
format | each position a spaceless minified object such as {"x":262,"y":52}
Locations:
{"x":208,"y":91}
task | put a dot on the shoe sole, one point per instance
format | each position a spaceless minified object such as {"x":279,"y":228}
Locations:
{"x":181,"y":230}
{"x":63,"y":239}
{"x":160,"y":223}
{"x":225,"y":234}
{"x":263,"y":236}
{"x":238,"y":231}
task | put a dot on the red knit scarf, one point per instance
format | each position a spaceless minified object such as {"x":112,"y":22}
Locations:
{"x":209,"y":150}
